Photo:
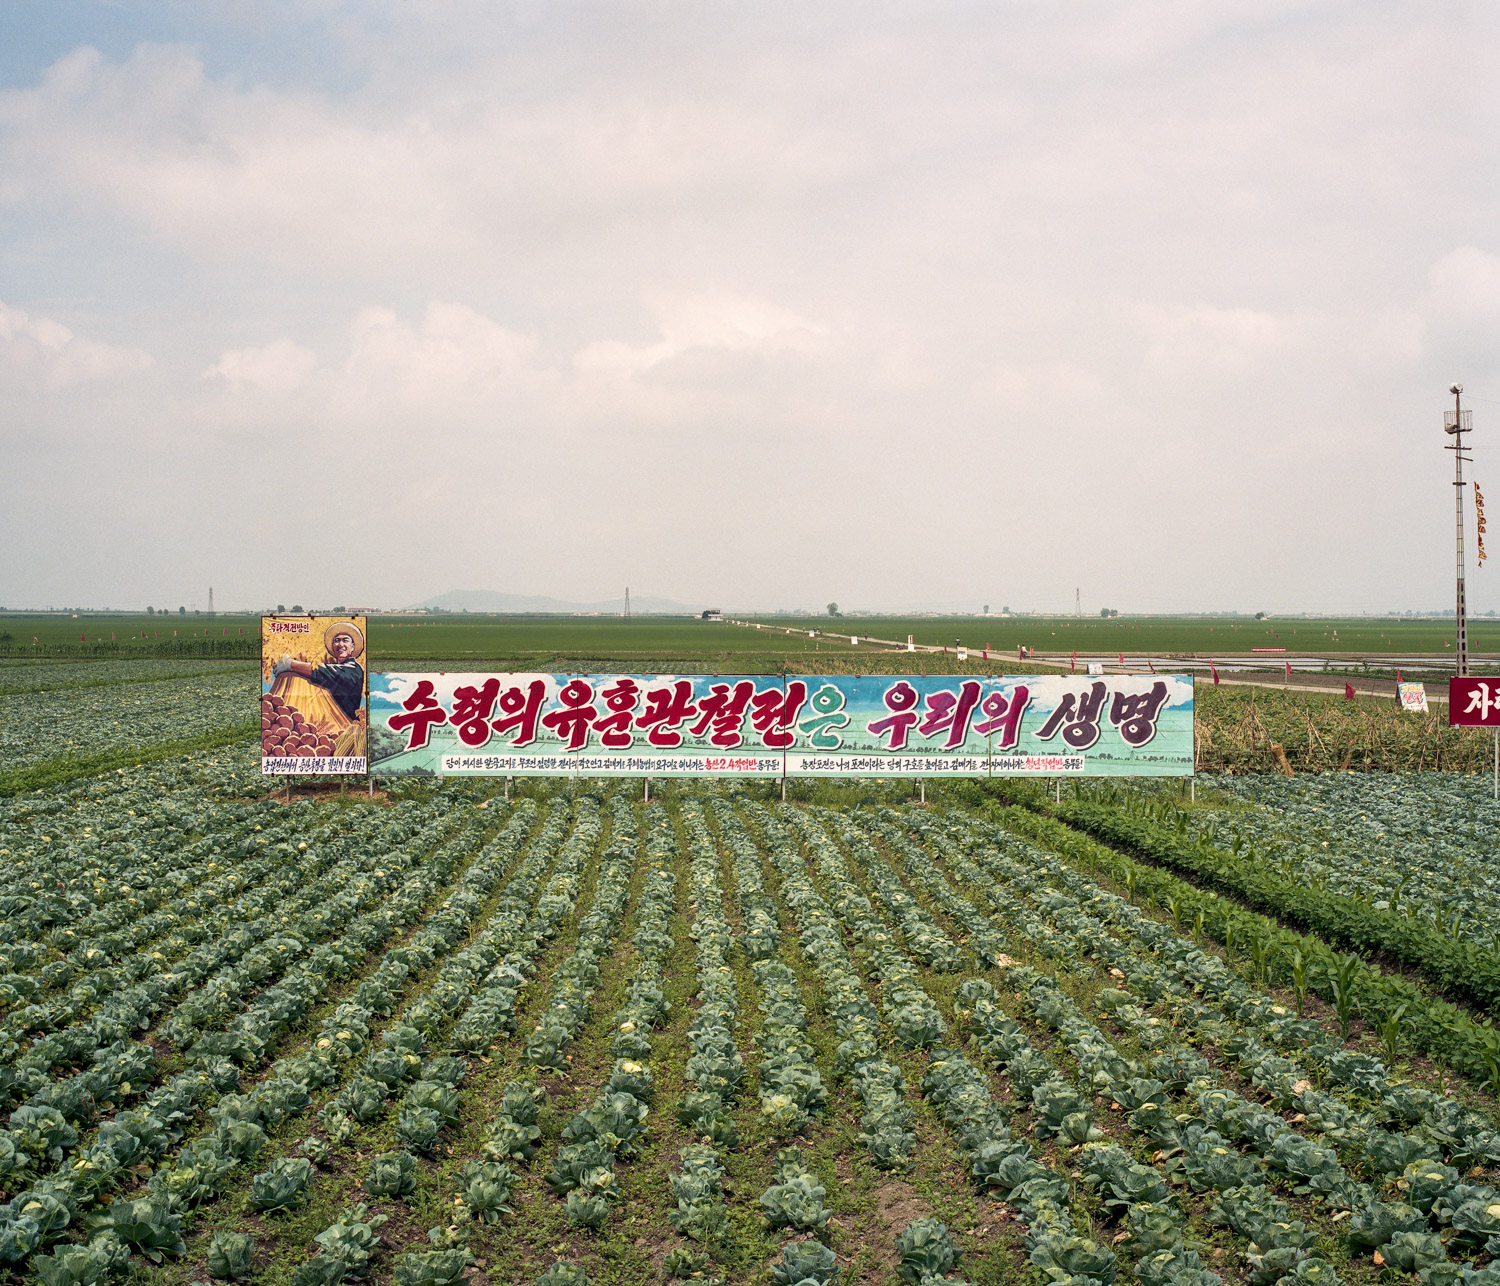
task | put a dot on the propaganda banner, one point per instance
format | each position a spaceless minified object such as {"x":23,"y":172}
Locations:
{"x":1412,"y":697}
{"x":314,"y":702}
{"x":768,"y":725}
{"x":1474,"y":703}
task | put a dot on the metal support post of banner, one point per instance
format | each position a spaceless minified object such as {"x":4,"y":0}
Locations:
{"x":1497,"y":763}
{"x":370,"y":778}
{"x":1057,"y":790}
{"x":646,"y":798}
{"x":1192,"y":790}
{"x":507,"y":790}
{"x":922,"y":782}
{"x":783,"y":788}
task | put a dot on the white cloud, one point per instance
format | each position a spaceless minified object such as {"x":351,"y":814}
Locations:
{"x":39,"y":351}
{"x":721,"y":323}
{"x":1466,"y":282}
{"x":1201,"y":341}
{"x":281,"y":366}
{"x":450,"y":354}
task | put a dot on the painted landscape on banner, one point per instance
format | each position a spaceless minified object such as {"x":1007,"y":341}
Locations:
{"x":770,"y":725}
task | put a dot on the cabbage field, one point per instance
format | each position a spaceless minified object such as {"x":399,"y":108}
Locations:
{"x":442,"y":1036}
{"x":61,"y":720}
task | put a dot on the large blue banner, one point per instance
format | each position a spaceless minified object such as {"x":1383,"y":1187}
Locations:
{"x":666,"y":725}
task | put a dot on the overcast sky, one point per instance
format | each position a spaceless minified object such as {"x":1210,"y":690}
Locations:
{"x":902,"y":305}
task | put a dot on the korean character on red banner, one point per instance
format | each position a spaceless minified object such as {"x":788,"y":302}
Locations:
{"x":667,"y":709}
{"x":521,"y":708}
{"x":950,"y":712}
{"x":1077,"y":714}
{"x":620,"y":698}
{"x":1134,"y":714}
{"x":1004,"y":721}
{"x":901,"y":700}
{"x":573,"y":721}
{"x":723,"y":710}
{"x":772,"y":714}
{"x":422,"y":711}
{"x":472,"y":708}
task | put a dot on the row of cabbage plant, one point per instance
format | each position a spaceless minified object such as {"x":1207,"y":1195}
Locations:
{"x":186,"y":1176}
{"x":1361,"y":1123}
{"x":612,"y":1126}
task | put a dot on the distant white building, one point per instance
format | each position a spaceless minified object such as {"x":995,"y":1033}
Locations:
{"x":713,"y":614}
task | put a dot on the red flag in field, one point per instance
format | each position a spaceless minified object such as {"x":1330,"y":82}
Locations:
{"x":1348,"y":692}
{"x":1073,"y":664}
{"x":81,"y":639}
{"x":986,"y":651}
{"x":111,"y":636}
{"x":1288,"y":665}
{"x":1122,"y":658}
{"x":1213,"y":672}
{"x":1398,"y":677}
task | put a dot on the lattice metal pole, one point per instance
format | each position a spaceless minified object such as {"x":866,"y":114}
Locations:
{"x":1456,"y":424}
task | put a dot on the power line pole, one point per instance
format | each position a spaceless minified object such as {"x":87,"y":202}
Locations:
{"x":1078,"y":601}
{"x":627,"y":602}
{"x":210,"y":600}
{"x":1456,"y":423}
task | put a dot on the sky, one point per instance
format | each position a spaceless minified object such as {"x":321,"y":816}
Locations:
{"x":905,"y":306}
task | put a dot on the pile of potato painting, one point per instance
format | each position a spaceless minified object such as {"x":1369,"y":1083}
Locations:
{"x":283,"y":731}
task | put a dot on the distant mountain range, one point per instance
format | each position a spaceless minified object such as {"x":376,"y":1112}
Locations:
{"x":486,"y":600}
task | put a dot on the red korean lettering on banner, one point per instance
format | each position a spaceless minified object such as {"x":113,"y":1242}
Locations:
{"x":620,"y":699}
{"x":1004,"y":721}
{"x":901,"y":700}
{"x":422,"y":711}
{"x":772,"y":714}
{"x":521,"y":708}
{"x":950,"y":712}
{"x":723,"y":710}
{"x":573,"y":721}
{"x":667,"y":709}
{"x":472,"y":708}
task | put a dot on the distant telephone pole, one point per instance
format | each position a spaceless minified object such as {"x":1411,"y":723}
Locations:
{"x":1078,"y":601}
{"x":1457,"y":422}
{"x":627,"y":602}
{"x":210,"y":600}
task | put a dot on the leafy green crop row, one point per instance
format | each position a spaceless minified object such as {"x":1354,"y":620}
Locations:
{"x":36,"y":727}
{"x":1464,"y":970}
{"x":1442,"y":1029}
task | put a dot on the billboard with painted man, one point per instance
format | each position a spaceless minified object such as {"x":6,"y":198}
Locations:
{"x":314,"y":707}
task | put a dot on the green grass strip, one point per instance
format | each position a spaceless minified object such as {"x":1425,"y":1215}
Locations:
{"x":66,"y":768}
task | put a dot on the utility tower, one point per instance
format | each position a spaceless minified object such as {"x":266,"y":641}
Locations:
{"x":1078,"y":601}
{"x":210,"y":600}
{"x":1457,"y":422}
{"x":627,"y":602}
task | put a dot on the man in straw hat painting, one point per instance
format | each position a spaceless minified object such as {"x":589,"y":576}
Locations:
{"x":342,"y":676}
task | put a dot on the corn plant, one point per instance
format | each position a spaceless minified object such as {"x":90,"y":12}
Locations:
{"x":1299,"y":979}
{"x":1390,"y":1032}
